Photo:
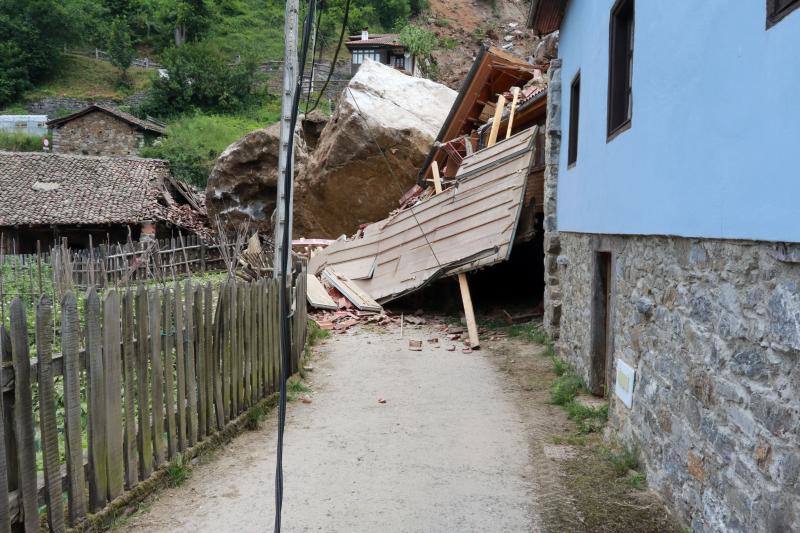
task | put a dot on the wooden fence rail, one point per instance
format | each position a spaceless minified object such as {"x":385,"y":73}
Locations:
{"x":153,"y":372}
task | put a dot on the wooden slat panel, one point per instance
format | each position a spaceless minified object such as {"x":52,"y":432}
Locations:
{"x":240,"y":345}
{"x":98,"y":460}
{"x":47,"y":415}
{"x":235,"y":338}
{"x":212,"y":357}
{"x":225,"y":332}
{"x":247,"y":328}
{"x":317,"y":295}
{"x":144,"y":440}
{"x":112,"y":366}
{"x":191,"y":382}
{"x":5,"y":515}
{"x":219,"y":366}
{"x":200,"y":362}
{"x":73,"y":447}
{"x":181,"y":367}
{"x":129,"y":380}
{"x":168,"y":328}
{"x":469,"y":226}
{"x":8,"y":452}
{"x":157,"y":367}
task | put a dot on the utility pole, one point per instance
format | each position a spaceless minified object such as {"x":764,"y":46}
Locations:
{"x":289,"y":86}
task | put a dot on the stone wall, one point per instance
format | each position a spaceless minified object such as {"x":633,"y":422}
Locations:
{"x":97,"y":133}
{"x":713,"y":331}
{"x":552,"y":147}
{"x":59,"y":106}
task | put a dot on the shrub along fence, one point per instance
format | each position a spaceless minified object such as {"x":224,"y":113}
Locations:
{"x":153,"y":372}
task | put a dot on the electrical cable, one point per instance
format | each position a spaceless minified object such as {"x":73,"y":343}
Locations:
{"x":335,"y":56}
{"x":284,"y":267}
{"x":313,"y":56}
{"x":394,"y":176}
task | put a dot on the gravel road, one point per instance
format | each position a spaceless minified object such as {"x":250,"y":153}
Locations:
{"x":447,"y":451}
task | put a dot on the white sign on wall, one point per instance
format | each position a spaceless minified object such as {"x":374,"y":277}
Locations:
{"x":623,"y":387}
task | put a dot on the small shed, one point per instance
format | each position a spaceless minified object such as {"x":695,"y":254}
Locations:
{"x":102,"y":130}
{"x":44,"y":197}
{"x":384,"y":48}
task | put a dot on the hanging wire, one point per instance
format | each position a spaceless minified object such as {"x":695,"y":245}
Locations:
{"x":335,"y":56}
{"x":394,"y":176}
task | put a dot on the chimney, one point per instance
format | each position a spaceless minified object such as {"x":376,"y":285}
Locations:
{"x":365,"y":34}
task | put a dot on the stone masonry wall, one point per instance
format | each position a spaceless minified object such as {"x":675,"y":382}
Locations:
{"x":552,"y":147}
{"x":713,"y":330}
{"x":97,"y":134}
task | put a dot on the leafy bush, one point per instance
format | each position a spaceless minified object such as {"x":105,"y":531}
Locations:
{"x":193,"y":142}
{"x":199,"y":76}
{"x":20,"y":142}
{"x":418,"y":41}
{"x":565,"y":389}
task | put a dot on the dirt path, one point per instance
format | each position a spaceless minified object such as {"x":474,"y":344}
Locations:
{"x":448,"y":451}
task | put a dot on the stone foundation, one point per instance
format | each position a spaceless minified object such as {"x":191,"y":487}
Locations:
{"x":713,"y":330}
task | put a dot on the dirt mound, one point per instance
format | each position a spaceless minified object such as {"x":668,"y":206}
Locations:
{"x":463,"y":25}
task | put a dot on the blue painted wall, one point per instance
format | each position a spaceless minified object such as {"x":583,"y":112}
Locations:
{"x":714,"y":145}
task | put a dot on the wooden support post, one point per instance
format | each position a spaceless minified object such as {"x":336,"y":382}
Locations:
{"x":437,"y":180}
{"x":469,"y":313}
{"x":515,"y":92}
{"x":498,"y":114}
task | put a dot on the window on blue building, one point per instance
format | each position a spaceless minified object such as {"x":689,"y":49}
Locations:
{"x":777,"y":9}
{"x":620,"y":66}
{"x":574,"y":110}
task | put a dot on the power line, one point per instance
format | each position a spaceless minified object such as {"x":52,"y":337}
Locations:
{"x":394,"y":176}
{"x":335,"y":56}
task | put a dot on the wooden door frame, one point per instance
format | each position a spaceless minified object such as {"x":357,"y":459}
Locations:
{"x":601,"y":368}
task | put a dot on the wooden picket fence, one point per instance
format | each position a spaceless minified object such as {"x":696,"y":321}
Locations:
{"x":155,"y":370}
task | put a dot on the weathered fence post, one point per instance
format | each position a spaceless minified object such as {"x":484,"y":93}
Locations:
{"x":179,"y":358}
{"x":7,"y":454}
{"x":98,"y":478}
{"x":154,"y":316}
{"x":73,"y":447}
{"x":191,"y":384}
{"x":112,"y":365}
{"x":144,"y":440}
{"x":169,"y":372}
{"x":47,"y":415}
{"x":129,"y":363}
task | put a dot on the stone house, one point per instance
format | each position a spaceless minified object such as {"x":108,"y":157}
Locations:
{"x":102,"y":130}
{"x":383,"y":48}
{"x":46,"y":197}
{"x":673,"y":245}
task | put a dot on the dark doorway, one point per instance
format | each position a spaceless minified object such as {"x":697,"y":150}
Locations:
{"x":601,"y":324}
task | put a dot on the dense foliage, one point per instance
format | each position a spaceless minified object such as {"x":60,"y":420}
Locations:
{"x":194,"y":141}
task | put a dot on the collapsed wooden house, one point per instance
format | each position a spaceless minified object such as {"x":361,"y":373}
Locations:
{"x":47,"y":197}
{"x":479,"y":193}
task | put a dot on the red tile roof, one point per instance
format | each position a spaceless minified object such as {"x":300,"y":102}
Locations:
{"x":144,"y":125}
{"x":386,"y":39}
{"x":44,"y":189}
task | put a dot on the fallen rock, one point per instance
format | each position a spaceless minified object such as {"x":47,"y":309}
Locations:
{"x":243,"y":184}
{"x":370,"y":151}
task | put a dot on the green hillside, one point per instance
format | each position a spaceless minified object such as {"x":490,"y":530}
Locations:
{"x":211,"y":49}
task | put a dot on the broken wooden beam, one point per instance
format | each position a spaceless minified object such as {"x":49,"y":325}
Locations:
{"x":469,"y":312}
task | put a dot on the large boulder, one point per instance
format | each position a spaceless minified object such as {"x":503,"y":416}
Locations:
{"x":243,"y":184}
{"x":370,"y":151}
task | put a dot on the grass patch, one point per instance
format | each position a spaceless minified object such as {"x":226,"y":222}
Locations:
{"x":572,"y":440}
{"x":82,"y":77}
{"x":193,"y":142}
{"x":559,"y":367}
{"x":565,"y":388}
{"x":623,"y":460}
{"x":296,"y":388}
{"x":636,"y":480}
{"x":589,"y":419}
{"x":255,"y":415}
{"x":177,"y":471}
{"x":316,"y":334}
{"x":20,"y":142}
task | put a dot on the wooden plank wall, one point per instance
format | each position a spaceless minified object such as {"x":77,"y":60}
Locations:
{"x":164,"y":368}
